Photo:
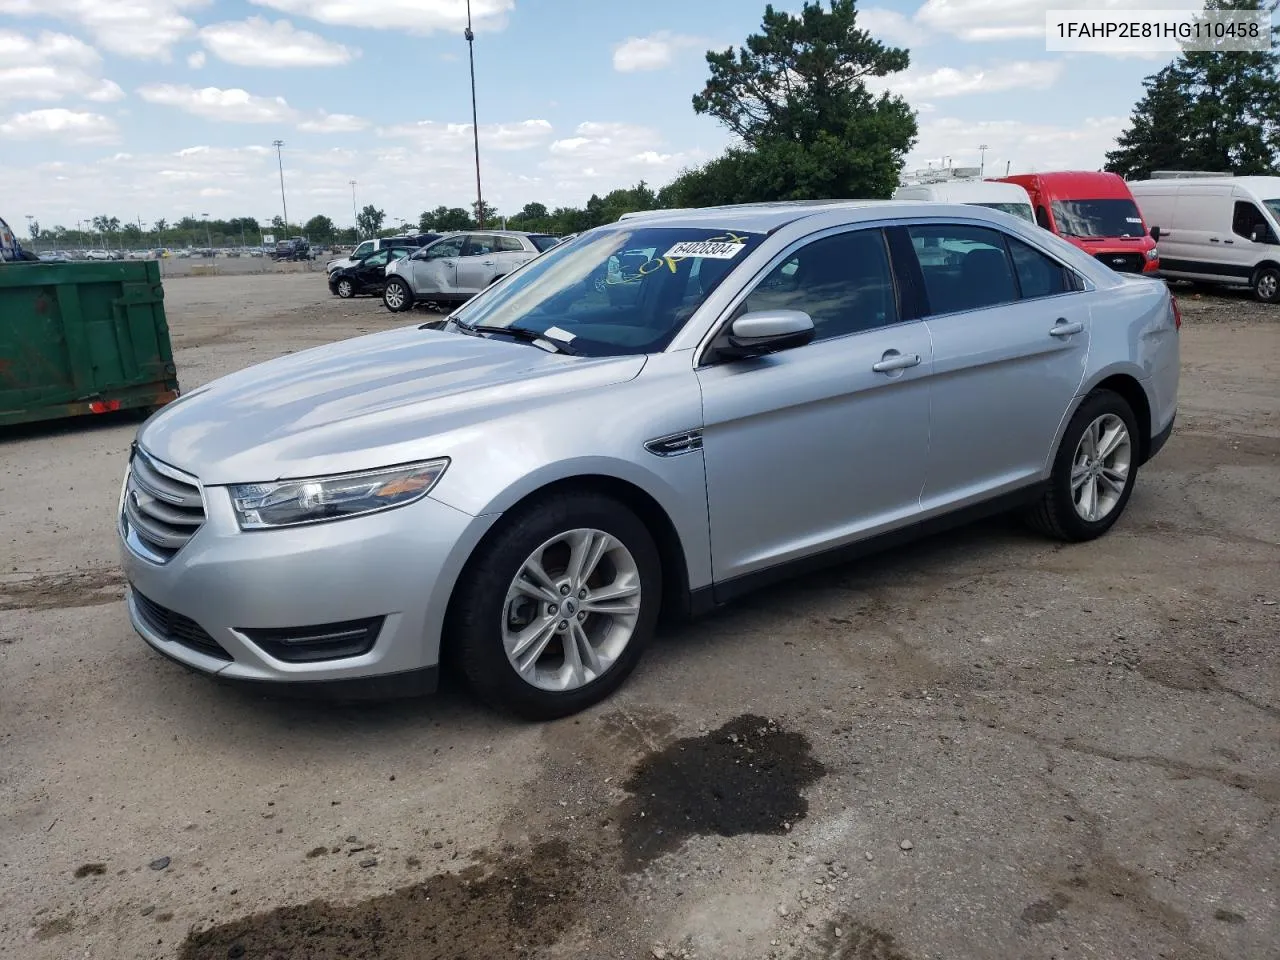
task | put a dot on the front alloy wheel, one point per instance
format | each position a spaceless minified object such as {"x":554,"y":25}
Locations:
{"x":571,"y":610}
{"x":345,"y":290}
{"x":396,"y":296}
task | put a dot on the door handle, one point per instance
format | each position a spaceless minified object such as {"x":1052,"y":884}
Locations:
{"x":895,"y":361}
{"x":1064,"y":329}
{"x":487,"y":263}
{"x":1228,"y":241}
{"x":1213,"y":239}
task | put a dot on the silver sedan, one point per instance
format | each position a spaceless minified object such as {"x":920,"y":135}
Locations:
{"x":657,"y":416}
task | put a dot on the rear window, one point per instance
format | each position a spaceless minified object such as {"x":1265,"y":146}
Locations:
{"x":544,"y":243}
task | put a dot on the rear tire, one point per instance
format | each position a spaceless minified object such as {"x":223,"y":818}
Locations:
{"x":396,"y":296}
{"x":1093,"y":472}
{"x":488,"y":612}
{"x":1266,"y":285}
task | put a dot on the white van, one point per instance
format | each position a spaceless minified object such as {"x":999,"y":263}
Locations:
{"x":1008,"y":197}
{"x":1223,"y":230}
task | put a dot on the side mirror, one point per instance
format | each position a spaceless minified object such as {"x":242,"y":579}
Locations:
{"x":767,"y":331}
{"x":1155,"y":234}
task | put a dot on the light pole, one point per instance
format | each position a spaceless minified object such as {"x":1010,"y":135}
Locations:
{"x":475,"y":126}
{"x":31,"y":219}
{"x":208,"y":238}
{"x":355,"y":217}
{"x":283,"y":203}
{"x":982,"y":161}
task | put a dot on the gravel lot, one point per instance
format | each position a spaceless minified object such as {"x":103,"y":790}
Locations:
{"x":984,"y":745}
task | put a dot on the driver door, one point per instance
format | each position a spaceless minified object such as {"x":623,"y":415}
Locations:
{"x":372,"y":270}
{"x":435,"y":268}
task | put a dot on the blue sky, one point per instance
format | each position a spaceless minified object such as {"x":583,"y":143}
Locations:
{"x":161,"y":108}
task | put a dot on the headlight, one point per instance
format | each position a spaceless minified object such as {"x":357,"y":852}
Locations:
{"x":1153,"y":253}
{"x":287,"y":503}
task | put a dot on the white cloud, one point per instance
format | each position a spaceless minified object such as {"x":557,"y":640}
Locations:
{"x":51,"y":66}
{"x":1014,"y":19}
{"x":70,"y":125}
{"x":333,"y":123}
{"x":650,"y":53}
{"x":1025,"y":147}
{"x":257,"y":42}
{"x":493,"y":136}
{"x":959,"y":81}
{"x":604,"y":156}
{"x":144,"y":29}
{"x":414,"y":16}
{"x":213,"y":103}
{"x":197,"y":60}
{"x":891,"y":27}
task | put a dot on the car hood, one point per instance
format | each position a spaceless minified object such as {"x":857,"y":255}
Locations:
{"x":358,"y":404}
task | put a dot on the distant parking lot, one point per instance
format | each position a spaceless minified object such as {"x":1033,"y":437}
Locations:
{"x":984,"y":745}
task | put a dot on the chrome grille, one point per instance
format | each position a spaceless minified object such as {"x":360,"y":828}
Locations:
{"x":162,"y":508}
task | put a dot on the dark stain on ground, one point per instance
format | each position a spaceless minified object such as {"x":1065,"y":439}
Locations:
{"x":1228,"y":916}
{"x":1178,"y":674}
{"x":90,"y":870}
{"x":513,"y":908}
{"x":84,"y":588}
{"x":1045,"y":911}
{"x":856,"y":941}
{"x":55,"y":927}
{"x":744,"y":777}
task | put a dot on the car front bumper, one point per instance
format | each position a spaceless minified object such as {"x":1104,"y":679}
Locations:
{"x":225,"y":584}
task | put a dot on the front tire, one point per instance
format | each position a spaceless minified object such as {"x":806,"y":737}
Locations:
{"x":397,"y":296}
{"x":346,"y":290}
{"x":554,"y":610}
{"x":1094,"y":471}
{"x":1266,"y":285}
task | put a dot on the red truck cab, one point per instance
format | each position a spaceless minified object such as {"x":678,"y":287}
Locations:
{"x":1095,"y":212}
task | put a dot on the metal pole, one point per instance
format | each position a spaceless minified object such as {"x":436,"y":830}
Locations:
{"x":283,"y":203}
{"x":208,"y":237}
{"x":30,"y":218}
{"x":475,"y":126}
{"x":982,"y":162}
{"x":355,"y":216}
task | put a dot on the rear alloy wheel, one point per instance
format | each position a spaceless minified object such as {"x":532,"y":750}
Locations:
{"x":1093,"y":472}
{"x":345,"y":289}
{"x":396,"y":296}
{"x":554,"y":612}
{"x":1266,"y":285}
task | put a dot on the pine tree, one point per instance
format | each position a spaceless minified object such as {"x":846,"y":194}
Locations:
{"x":1154,"y":140}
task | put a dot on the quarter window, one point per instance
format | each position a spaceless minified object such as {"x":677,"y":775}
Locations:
{"x":509,"y":245}
{"x":964,"y":268}
{"x":843,"y":282}
{"x":1038,"y":276}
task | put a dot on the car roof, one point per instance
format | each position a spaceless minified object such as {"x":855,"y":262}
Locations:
{"x":1096,"y":184}
{"x":749,"y":217}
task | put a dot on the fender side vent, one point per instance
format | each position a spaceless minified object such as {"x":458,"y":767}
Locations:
{"x":677,"y":443}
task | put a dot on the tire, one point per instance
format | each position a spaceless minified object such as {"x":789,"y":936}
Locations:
{"x":346,"y":289}
{"x":488,"y":611}
{"x":1058,"y":513}
{"x":1266,"y":284}
{"x":396,"y":296}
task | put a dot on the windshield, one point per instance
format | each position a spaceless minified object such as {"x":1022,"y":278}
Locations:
{"x":1273,"y":207}
{"x":544,"y":243}
{"x":1022,"y":210}
{"x":1097,"y":218}
{"x":614,"y":293}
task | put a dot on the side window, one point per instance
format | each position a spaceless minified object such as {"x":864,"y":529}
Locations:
{"x":379,"y":259}
{"x":1038,"y":276}
{"x":363,"y":250}
{"x":478,"y":244}
{"x":1246,"y":219}
{"x":1042,"y":217}
{"x":844,"y":282}
{"x":964,"y":268}
{"x":445,"y":248}
{"x":509,"y":245}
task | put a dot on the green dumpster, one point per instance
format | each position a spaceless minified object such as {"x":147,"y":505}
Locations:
{"x":79,"y":338}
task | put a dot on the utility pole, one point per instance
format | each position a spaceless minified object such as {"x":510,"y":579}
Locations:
{"x":31,"y":219}
{"x":355,"y":216}
{"x":475,"y":126}
{"x":982,"y":162}
{"x":208,"y":237}
{"x":283,"y":203}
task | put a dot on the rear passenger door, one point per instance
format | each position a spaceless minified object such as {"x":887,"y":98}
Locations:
{"x":1010,"y":332}
{"x":478,"y":265}
{"x":511,"y":254}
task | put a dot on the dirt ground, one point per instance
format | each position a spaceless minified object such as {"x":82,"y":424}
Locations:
{"x":984,"y":745}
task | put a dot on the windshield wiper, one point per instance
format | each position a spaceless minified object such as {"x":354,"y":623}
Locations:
{"x":523,"y":334}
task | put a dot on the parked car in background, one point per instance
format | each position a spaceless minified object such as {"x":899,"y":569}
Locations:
{"x":366,"y":275}
{"x":97,"y":255}
{"x":457,"y":267}
{"x":1095,"y":212}
{"x":1216,"y":230}
{"x":526,"y":489}
{"x":1008,"y":197}
{"x":256,"y":252}
{"x":295,"y":248}
{"x":366,"y":247}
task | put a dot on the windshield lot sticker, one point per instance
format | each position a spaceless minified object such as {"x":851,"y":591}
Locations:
{"x":1132,"y":219}
{"x":555,"y":333}
{"x":709,"y":249}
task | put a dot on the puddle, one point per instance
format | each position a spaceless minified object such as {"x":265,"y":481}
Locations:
{"x":745,"y":777}
{"x":514,"y":908}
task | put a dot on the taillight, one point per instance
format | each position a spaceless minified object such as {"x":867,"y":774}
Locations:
{"x":1177,"y":313}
